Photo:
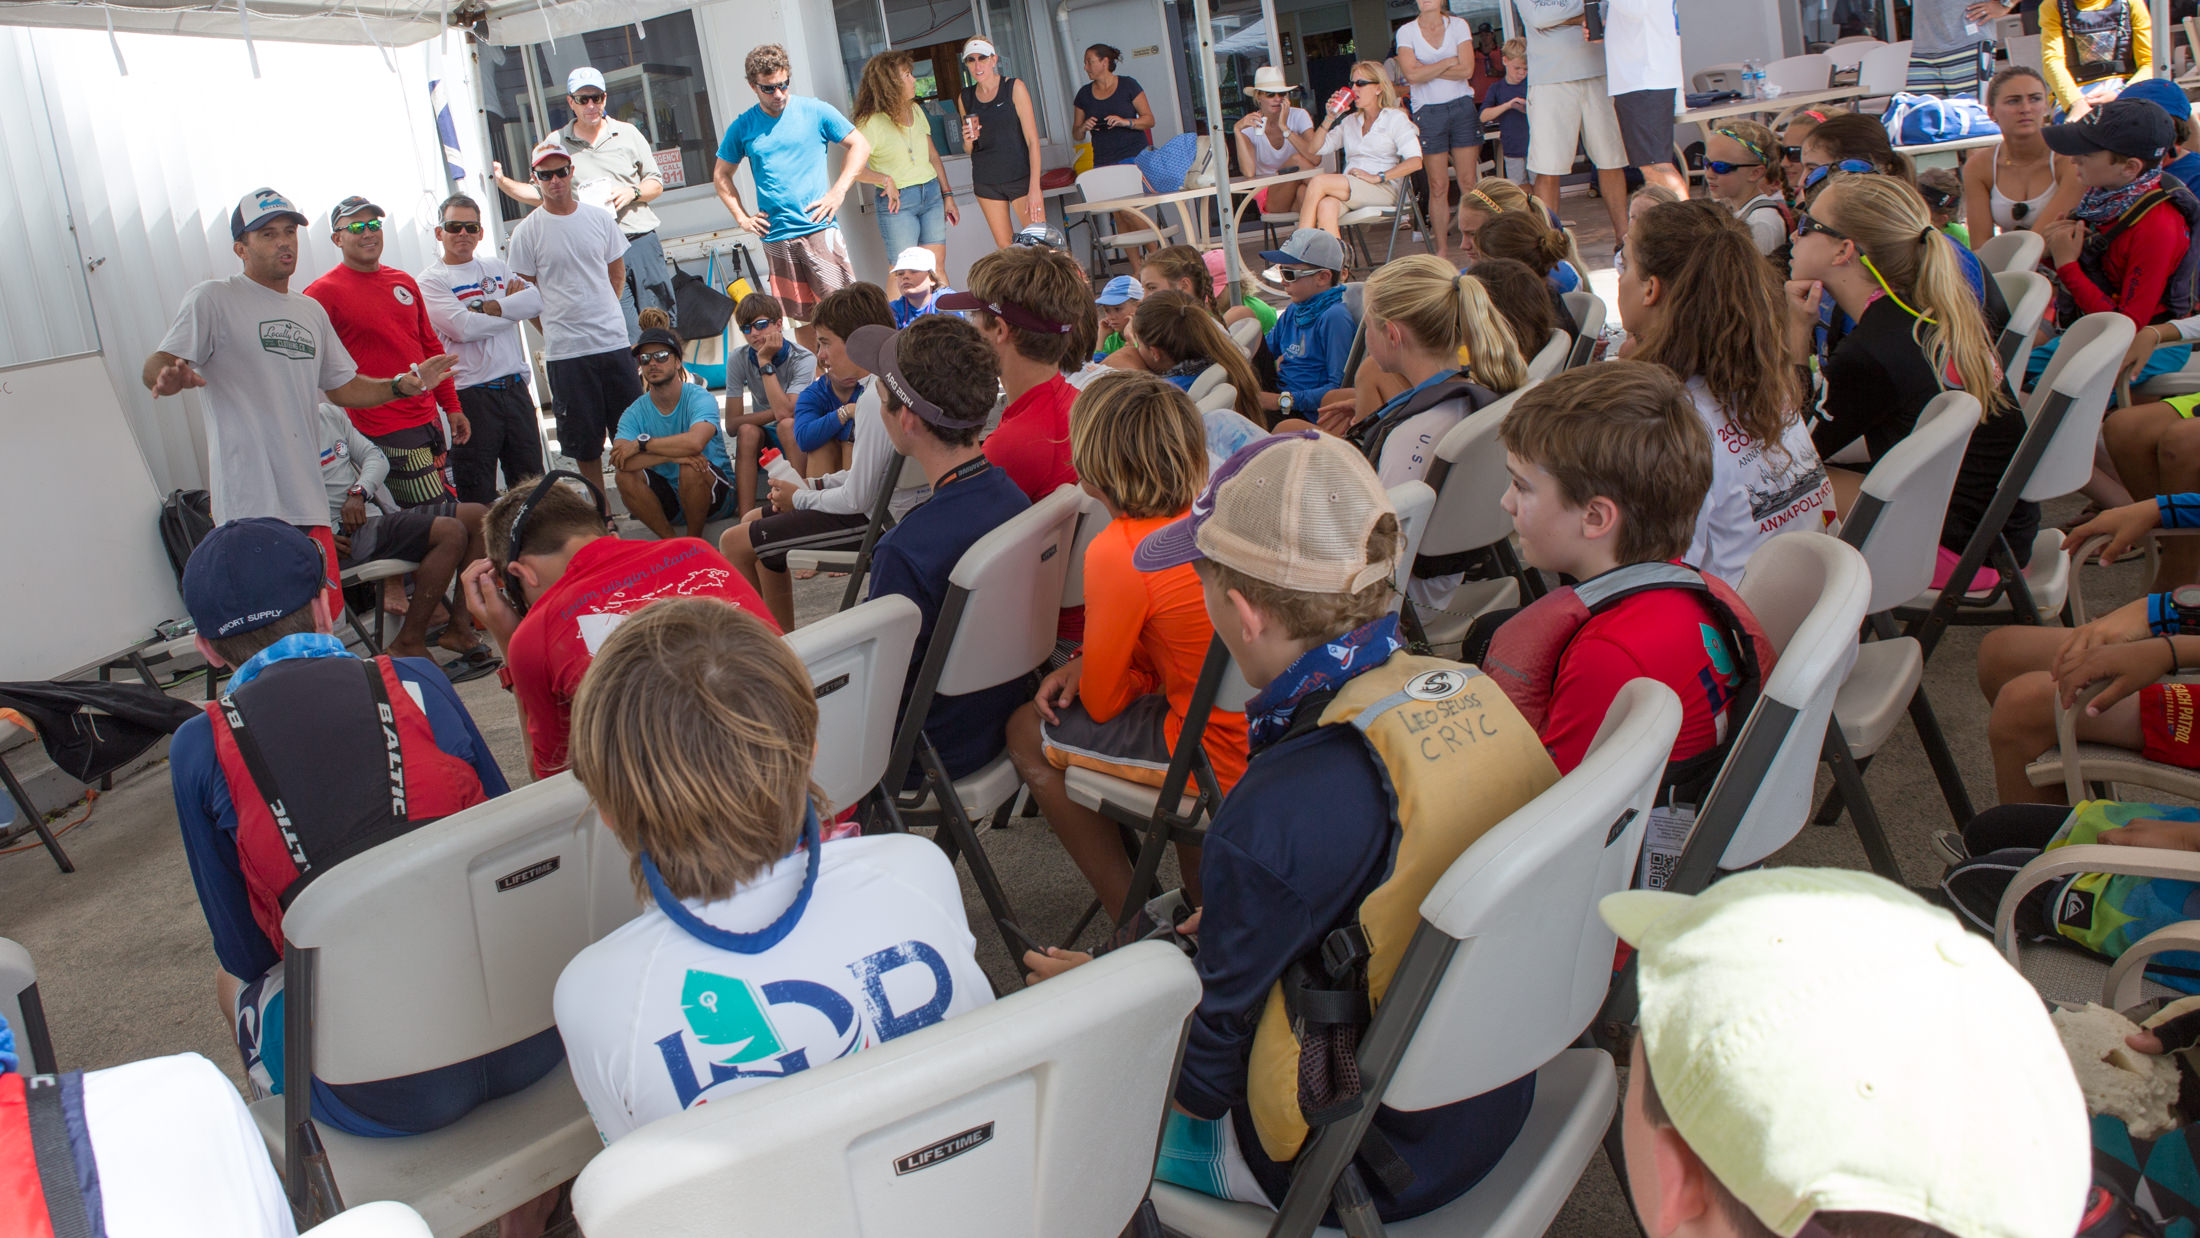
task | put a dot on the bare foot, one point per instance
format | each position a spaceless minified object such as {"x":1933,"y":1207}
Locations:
{"x":402,"y":648}
{"x":459,"y":642}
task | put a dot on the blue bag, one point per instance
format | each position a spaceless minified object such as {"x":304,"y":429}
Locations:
{"x":1922,"y":120}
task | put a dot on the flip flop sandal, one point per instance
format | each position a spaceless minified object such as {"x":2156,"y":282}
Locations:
{"x":472,"y":664}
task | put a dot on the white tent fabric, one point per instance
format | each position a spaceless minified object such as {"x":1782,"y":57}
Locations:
{"x":383,"y":22}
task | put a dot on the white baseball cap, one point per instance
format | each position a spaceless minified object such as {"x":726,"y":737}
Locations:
{"x":583,"y":77}
{"x":916,"y":258}
{"x":1826,"y":1041}
{"x":978,"y":47}
{"x":547,"y":149}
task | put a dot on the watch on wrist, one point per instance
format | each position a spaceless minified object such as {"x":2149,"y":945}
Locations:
{"x":641,"y":441}
{"x":1285,"y":401}
{"x":2184,"y":605}
{"x":767,"y":370}
{"x":357,"y":492}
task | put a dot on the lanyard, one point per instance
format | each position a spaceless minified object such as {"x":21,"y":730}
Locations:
{"x":726,"y":939}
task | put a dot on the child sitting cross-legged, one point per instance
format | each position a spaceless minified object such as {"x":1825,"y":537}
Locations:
{"x":1119,"y":706}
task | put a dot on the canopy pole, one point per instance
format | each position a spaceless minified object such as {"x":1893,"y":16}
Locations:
{"x":113,"y":42}
{"x":1218,"y":135}
{"x":244,"y":20}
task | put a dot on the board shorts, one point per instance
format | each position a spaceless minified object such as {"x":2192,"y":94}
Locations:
{"x":668,"y":495}
{"x":1133,"y":745}
{"x":2184,"y":405}
{"x":771,"y":537}
{"x":1204,"y":1156}
{"x":1645,"y":126}
{"x":589,"y":393}
{"x":1567,"y":114}
{"x":416,"y":464}
{"x":805,"y":268}
{"x":403,"y":534}
{"x":2167,"y":716}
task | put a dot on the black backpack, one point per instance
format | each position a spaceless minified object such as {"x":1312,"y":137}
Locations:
{"x":186,"y":517}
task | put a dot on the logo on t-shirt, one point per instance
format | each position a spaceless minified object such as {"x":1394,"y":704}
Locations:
{"x":285,"y":338}
{"x":402,"y":293}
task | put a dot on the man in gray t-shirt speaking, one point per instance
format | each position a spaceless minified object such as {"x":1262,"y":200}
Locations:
{"x":262,"y":358}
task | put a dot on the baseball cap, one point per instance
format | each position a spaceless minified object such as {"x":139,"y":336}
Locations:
{"x":352,"y":205}
{"x":2133,"y":128}
{"x":582,"y":77}
{"x":1825,"y":1041}
{"x":257,"y":209}
{"x":1294,"y":510}
{"x":874,"y":348}
{"x":1008,"y":311}
{"x":1120,"y":289}
{"x":2161,"y":92}
{"x":1309,"y":247}
{"x":547,"y":149}
{"x":1046,"y":235}
{"x":248,"y":573}
{"x":916,"y":258}
{"x":658,"y":337}
{"x":977,"y":47}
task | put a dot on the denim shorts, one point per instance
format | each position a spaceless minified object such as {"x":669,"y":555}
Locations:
{"x":922,"y":219}
{"x":1454,"y":124}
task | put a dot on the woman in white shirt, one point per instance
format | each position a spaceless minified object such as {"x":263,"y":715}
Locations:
{"x":1264,"y":139}
{"x":1380,"y":148}
{"x":1436,"y":56}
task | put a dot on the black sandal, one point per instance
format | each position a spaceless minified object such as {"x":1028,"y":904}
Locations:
{"x":472,"y":664}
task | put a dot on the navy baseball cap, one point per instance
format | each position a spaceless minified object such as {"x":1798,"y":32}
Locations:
{"x":2163,"y":93}
{"x":2131,"y":128}
{"x":658,"y":337}
{"x":259,"y":208}
{"x":876,"y":348}
{"x":248,"y":573}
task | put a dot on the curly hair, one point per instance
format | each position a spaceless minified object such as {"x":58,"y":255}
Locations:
{"x":764,"y":61}
{"x":880,"y":89}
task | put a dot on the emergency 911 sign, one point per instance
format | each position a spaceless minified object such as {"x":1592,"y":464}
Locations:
{"x":671,"y":168}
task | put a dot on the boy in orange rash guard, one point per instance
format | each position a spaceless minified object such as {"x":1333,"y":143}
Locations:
{"x":1139,"y":446}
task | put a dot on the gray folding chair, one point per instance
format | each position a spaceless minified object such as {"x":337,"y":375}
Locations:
{"x":2028,"y":294}
{"x":857,"y":660}
{"x":1552,"y":357}
{"x":21,"y":1007}
{"x":901,"y":473}
{"x":1468,"y":476}
{"x":2012,"y":251}
{"x":1588,"y":311}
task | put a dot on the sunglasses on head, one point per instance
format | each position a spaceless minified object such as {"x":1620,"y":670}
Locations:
{"x":1805,"y":225}
{"x":653,"y":356}
{"x":751,"y":328}
{"x":774,"y":88}
{"x":359,"y":226}
{"x":588,"y":99}
{"x":1938,"y":198}
{"x":553,"y":174}
{"x":1359,"y":82}
{"x":1722,"y":167}
{"x":1819,"y":172}
{"x":462,"y":229}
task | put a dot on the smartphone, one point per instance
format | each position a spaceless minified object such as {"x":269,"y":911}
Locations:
{"x":1592,"y":19}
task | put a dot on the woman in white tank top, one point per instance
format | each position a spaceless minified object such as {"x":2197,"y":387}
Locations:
{"x":2017,"y":184}
{"x":1264,"y":139}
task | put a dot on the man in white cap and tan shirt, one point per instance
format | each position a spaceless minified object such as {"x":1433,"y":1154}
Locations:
{"x":615,"y":168}
{"x":1822,"y":1053}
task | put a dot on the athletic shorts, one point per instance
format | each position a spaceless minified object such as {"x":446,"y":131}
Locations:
{"x":2185,"y":405}
{"x":668,"y":495}
{"x":771,"y":537}
{"x":1645,"y":126}
{"x":1005,"y":191}
{"x":416,"y":464}
{"x":1204,"y":1156}
{"x":1570,"y":114}
{"x":2167,"y":713}
{"x":805,"y":268}
{"x":1454,"y":124}
{"x":402,"y":534}
{"x":1133,"y":745}
{"x":589,"y":394}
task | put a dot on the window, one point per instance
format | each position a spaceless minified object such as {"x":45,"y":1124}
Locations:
{"x":933,"y":31}
{"x":656,"y":84}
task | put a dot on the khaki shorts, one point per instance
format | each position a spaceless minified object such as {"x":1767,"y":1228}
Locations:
{"x":1569,"y":113}
{"x":1365,"y":195}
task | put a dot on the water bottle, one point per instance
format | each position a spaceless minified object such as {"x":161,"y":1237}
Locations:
{"x":1753,"y":79}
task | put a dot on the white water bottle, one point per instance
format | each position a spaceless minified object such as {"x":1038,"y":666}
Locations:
{"x":1753,"y":79}
{"x":777,"y":468}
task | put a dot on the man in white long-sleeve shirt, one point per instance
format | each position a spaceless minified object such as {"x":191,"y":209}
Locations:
{"x":476,"y":304}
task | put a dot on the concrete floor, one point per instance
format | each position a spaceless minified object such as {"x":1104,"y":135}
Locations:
{"x":127,"y":971}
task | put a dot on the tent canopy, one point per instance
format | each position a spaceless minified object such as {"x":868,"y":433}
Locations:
{"x":384,"y":22}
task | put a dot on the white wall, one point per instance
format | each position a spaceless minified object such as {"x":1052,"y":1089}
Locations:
{"x":1723,"y":31}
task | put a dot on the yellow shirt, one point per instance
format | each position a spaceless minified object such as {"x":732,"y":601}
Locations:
{"x":902,"y":155}
{"x":2066,"y":88}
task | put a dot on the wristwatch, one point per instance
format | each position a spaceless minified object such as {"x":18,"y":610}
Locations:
{"x":642,"y":441}
{"x":2184,"y":602}
{"x":767,"y":370}
{"x":1285,"y":401}
{"x":357,"y":492}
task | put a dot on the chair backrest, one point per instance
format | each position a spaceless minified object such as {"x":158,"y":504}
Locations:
{"x":1222,"y":397}
{"x":1209,"y":379}
{"x":1896,"y":523}
{"x":2012,"y":251}
{"x":1013,"y":576}
{"x":20,"y":1006}
{"x":1849,"y":53}
{"x":1121,"y":180}
{"x":1717,"y":77}
{"x":1534,"y":959}
{"x":858,"y":660}
{"x":1092,"y":516}
{"x":383,"y":1218}
{"x":1588,"y":310}
{"x":1809,"y":591}
{"x":1037,"y":1114}
{"x":2028,"y":295}
{"x":1245,"y":333}
{"x":445,"y":943}
{"x":1415,"y":502}
{"x":2079,"y":382}
{"x":1355,"y":303}
{"x":1553,"y":357}
{"x":1882,"y":70}
{"x":1812,"y":72}
{"x":1469,"y":478}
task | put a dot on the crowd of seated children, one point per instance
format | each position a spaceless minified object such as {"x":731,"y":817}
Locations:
{"x":763,"y":377}
{"x":1698,"y":299}
{"x":1120,"y":705}
{"x":1183,"y":269}
{"x":668,"y":455}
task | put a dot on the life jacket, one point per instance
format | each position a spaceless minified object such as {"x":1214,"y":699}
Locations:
{"x":360,"y":767}
{"x":1460,"y":759}
{"x":49,"y":1180}
{"x":2097,"y":43}
{"x":1526,"y":652}
{"x":1372,"y":435}
{"x":2182,"y":293}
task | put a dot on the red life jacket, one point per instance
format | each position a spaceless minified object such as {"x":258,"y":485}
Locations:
{"x":1525,"y":653}
{"x":44,"y":1153}
{"x":333,"y":762}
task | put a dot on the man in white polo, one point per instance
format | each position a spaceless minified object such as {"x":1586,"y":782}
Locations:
{"x":614,"y":168}
{"x":476,"y":304}
{"x":1569,"y":105}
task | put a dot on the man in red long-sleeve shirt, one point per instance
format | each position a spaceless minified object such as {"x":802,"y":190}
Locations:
{"x":378,"y":313}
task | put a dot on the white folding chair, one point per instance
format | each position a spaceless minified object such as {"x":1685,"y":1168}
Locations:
{"x":1588,"y":311}
{"x":1121,"y":180}
{"x":1468,"y":476}
{"x":1415,"y":502}
{"x":901,"y":473}
{"x":1797,"y":73}
{"x":1037,"y":1114}
{"x":1553,"y":356}
{"x":21,"y":1007}
{"x":1850,"y":53}
{"x":1405,"y":208}
{"x":1210,"y":378}
{"x":1245,"y":333}
{"x":1507,"y":967}
{"x":857,"y":661}
{"x":433,"y":949}
{"x":1223,"y":397}
{"x":381,"y":1219}
{"x":1355,"y":303}
{"x":2012,"y":251}
{"x":2061,"y":970}
{"x":996,"y":624}
{"x":2064,"y":414}
{"x":1895,"y":525}
{"x":1881,"y":71}
{"x":374,"y":572}
{"x":2028,"y":294}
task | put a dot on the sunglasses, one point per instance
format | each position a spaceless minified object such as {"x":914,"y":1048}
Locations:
{"x":1815,"y":173}
{"x":1805,"y":225}
{"x":462,"y":229}
{"x":1722,"y":167}
{"x":359,"y":226}
{"x":591,"y":100}
{"x":752,"y":328}
{"x":1939,"y":198}
{"x":774,"y":88}
{"x":1290,"y":274}
{"x":1793,"y":154}
{"x":553,"y":174}
{"x":1357,"y":82}
{"x":653,"y":356}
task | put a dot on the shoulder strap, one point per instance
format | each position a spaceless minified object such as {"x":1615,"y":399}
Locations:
{"x":264,"y":783}
{"x":60,"y":1178}
{"x":2147,"y":202}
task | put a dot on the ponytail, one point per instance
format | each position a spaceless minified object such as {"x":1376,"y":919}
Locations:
{"x":1182,"y":330}
{"x":1523,"y":236}
{"x":1444,"y":310}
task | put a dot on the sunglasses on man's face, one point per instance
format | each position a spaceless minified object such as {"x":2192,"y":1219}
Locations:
{"x":654,"y":356}
{"x":774,"y":88}
{"x":1722,"y":167}
{"x":1293,"y":274}
{"x":589,"y":99}
{"x":358,"y":226}
{"x":753,"y":327}
{"x":553,"y":174}
{"x":462,"y":229}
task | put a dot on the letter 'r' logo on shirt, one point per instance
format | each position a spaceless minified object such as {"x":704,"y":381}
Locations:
{"x":285,"y":338}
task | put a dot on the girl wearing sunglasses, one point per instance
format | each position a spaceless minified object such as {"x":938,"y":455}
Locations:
{"x":2019,"y":184}
{"x":1742,"y":168}
{"x":1381,"y":148}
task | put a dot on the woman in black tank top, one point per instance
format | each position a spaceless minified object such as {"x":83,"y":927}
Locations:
{"x":1003,"y":140}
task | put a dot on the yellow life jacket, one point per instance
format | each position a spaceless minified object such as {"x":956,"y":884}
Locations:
{"x":1460,"y":758}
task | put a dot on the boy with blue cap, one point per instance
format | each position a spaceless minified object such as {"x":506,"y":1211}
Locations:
{"x":1116,"y":303}
{"x":1313,"y":336}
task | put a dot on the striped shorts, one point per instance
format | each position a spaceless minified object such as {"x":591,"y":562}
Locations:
{"x":805,"y":268}
{"x":1951,"y":74}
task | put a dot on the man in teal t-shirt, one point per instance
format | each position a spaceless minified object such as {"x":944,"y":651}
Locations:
{"x":783,"y":140}
{"x":668,"y":450}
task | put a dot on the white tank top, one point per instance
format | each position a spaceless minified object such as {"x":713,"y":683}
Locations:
{"x":1268,"y":160}
{"x":2007,"y":216}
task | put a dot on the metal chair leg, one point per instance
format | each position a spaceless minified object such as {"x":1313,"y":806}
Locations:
{"x":1851,"y":782}
{"x":36,"y":819}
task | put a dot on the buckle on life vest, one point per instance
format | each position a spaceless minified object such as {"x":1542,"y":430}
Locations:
{"x":1345,"y":949}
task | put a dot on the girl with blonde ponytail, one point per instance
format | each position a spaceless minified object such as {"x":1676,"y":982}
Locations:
{"x":1177,"y":338}
{"x":1868,"y":242}
{"x":1432,"y":304}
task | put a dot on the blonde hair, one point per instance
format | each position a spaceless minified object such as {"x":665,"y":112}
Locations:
{"x":1383,"y":84}
{"x":694,"y":731}
{"x":1758,"y":140}
{"x":1494,"y":196}
{"x":1514,"y":49}
{"x":1917,"y":266}
{"x":1317,"y":616}
{"x":1181,"y":329}
{"x":1656,"y":195}
{"x":1137,"y":439}
{"x":1444,"y":310}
